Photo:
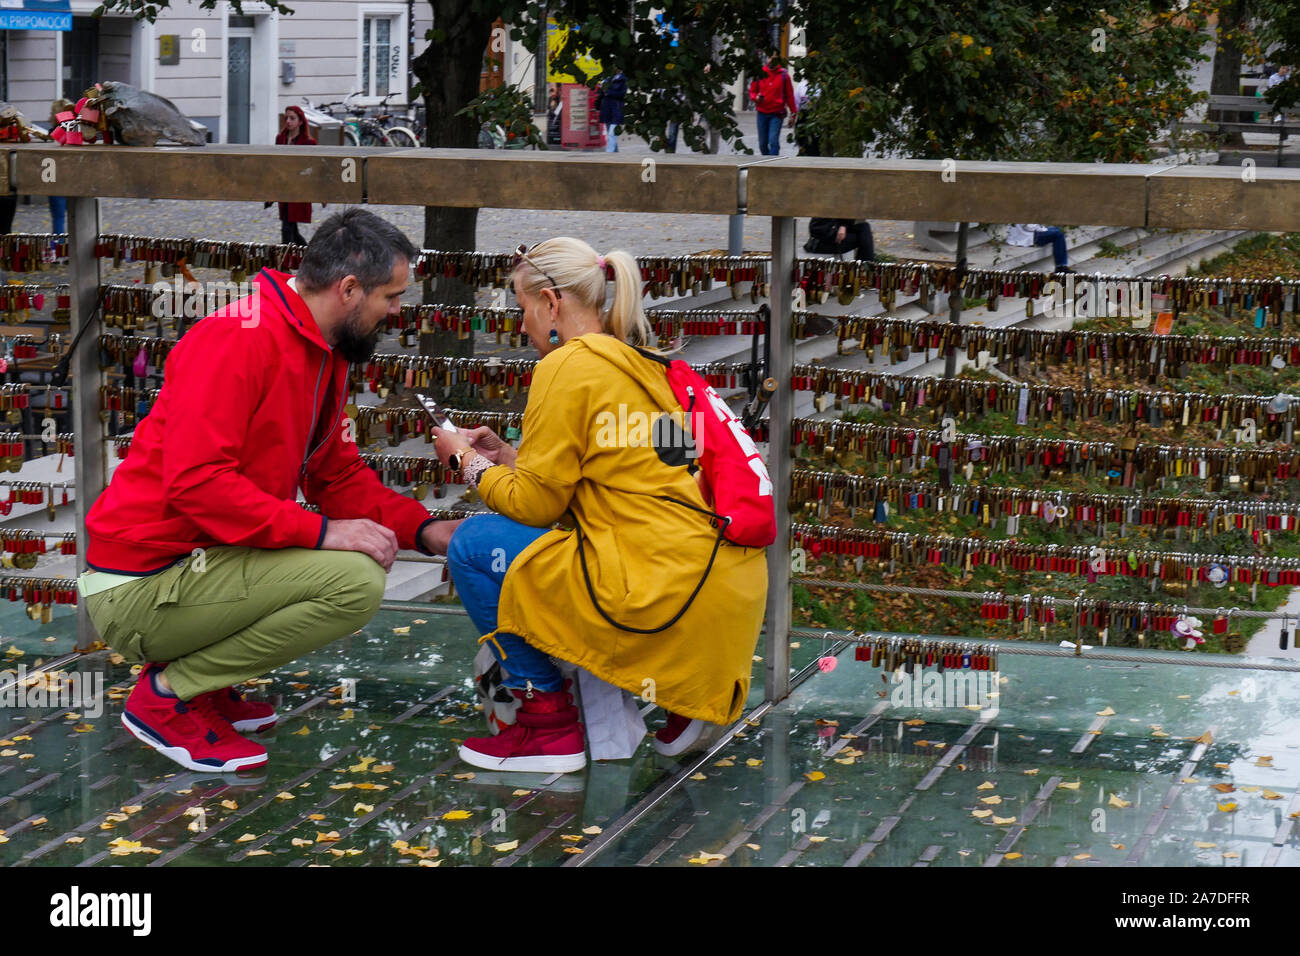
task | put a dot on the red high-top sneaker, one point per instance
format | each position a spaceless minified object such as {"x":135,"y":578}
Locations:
{"x":547,"y":737}
{"x":246,"y":716}
{"x":191,"y":733}
{"x":681,"y":734}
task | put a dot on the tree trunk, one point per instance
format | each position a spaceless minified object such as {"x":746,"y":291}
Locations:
{"x":1225,"y":75}
{"x":448,"y":71}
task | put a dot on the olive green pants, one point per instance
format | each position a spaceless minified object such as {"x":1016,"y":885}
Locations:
{"x":239,"y":612}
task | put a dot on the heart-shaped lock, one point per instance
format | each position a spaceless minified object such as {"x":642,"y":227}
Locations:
{"x":827,"y":664}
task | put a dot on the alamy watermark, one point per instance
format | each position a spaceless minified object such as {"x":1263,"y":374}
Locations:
{"x":953,"y":688}
{"x":79,"y":690}
{"x":637,"y":429}
{"x":177,"y":299}
{"x":1079,"y":297}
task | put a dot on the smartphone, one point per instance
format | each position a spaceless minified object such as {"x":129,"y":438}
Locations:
{"x":436,"y":413}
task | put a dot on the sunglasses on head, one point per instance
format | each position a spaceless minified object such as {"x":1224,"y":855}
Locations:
{"x":521,"y":255}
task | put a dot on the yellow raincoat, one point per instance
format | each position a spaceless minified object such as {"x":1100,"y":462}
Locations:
{"x":586,"y":451}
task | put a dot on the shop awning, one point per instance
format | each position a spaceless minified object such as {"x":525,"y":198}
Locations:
{"x":35,"y":15}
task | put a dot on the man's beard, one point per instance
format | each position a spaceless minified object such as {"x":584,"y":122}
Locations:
{"x":353,"y":344}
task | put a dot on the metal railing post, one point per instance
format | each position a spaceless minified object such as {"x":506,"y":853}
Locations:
{"x":90,"y":460}
{"x":780,"y":416}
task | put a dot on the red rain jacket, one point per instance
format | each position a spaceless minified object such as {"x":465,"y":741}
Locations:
{"x":251,"y":410}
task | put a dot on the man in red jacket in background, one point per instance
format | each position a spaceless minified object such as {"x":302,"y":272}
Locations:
{"x":772,"y":95}
{"x":203,"y":564}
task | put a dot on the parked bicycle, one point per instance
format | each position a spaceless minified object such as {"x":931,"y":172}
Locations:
{"x":360,"y":129}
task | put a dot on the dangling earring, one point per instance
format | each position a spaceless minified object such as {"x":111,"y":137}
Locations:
{"x":554,"y":336}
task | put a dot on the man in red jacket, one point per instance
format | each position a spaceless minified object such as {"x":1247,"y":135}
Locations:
{"x":203,"y":564}
{"x":772,"y":94}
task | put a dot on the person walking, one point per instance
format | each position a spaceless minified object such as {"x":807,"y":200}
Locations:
{"x":293,"y":131}
{"x":612,"y":95}
{"x":773,"y":97}
{"x":202,"y":563}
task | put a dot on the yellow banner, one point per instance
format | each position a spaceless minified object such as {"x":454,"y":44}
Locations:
{"x":556,"y":36}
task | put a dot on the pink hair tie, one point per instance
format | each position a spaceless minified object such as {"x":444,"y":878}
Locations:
{"x":600,"y":261}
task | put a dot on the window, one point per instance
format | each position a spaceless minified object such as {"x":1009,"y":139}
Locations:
{"x":383,"y":59}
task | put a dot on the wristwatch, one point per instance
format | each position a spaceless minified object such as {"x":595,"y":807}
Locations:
{"x":455,"y":459}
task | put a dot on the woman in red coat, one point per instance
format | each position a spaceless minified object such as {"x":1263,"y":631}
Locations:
{"x":293,"y":131}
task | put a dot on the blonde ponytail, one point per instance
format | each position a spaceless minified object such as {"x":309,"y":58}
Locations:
{"x":572,"y":266}
{"x":625,"y":318}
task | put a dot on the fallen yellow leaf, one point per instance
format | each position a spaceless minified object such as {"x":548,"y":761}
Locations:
{"x":361,"y":809}
{"x":753,"y":762}
{"x":1031,"y":773}
{"x":1004,"y":821}
{"x":457,"y":815}
{"x":302,"y":731}
{"x":1012,"y":856}
{"x":1108,"y":712}
{"x":699,"y":776}
{"x":246,"y":838}
{"x":285,"y":795}
{"x":981,"y":814}
{"x":1227,"y":807}
{"x":1264,"y":762}
{"x":724,"y":762}
{"x":815,"y":776}
{"x":1083,"y":856}
{"x":1272,"y":795}
{"x":230,"y":804}
{"x":1070,"y":786}
{"x":1223,"y":787}
{"x":1115,"y":801}
{"x":327,"y":837}
{"x":505,"y":847}
{"x":298,"y":841}
{"x":991,"y":801}
{"x":986,"y":785}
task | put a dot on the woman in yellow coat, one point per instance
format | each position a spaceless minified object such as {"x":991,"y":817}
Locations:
{"x":636,"y":584}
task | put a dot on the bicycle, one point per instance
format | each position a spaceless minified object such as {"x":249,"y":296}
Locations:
{"x":397,"y":133}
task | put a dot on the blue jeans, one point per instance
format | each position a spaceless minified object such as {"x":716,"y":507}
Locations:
{"x":59,"y":214}
{"x":769,"y":133}
{"x":1056,"y":237}
{"x":611,"y":138}
{"x":480,"y":551}
{"x":671,"y":142}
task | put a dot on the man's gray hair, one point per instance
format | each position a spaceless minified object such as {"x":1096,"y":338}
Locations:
{"x":353,"y":242}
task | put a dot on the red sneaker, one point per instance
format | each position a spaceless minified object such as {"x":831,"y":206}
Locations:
{"x":681,"y":734}
{"x":246,"y":716}
{"x":191,"y":733}
{"x":546,"y":737}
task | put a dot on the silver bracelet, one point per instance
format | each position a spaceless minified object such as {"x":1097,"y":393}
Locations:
{"x":474,"y":470}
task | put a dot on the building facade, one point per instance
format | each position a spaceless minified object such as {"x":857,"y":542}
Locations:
{"x":233,"y":73}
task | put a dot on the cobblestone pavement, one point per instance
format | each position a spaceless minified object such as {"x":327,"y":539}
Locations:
{"x":498,"y":229}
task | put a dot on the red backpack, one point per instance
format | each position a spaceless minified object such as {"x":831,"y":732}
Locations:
{"x":732,"y":478}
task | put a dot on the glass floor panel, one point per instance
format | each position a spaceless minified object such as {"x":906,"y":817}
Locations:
{"x":1072,"y":763}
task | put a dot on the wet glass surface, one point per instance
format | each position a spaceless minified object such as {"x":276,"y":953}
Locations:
{"x":1073,"y":763}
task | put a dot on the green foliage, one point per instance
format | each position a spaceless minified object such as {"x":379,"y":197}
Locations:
{"x":1005,"y":79}
{"x":510,"y":108}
